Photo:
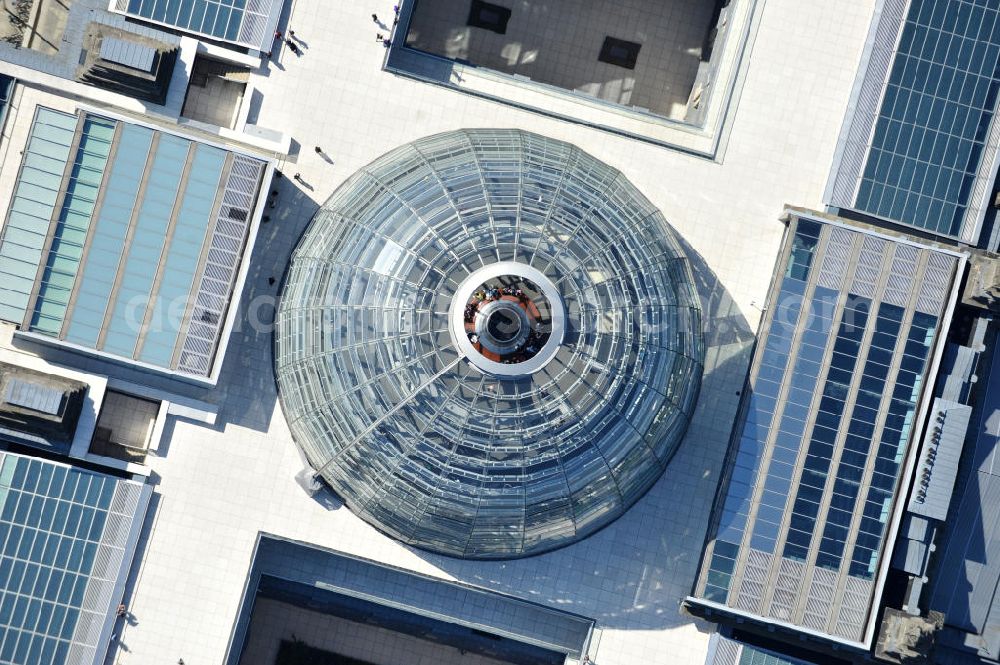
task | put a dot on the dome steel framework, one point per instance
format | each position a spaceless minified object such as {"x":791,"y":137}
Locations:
{"x":488,"y":343}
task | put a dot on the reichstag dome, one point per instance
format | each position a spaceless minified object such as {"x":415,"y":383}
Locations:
{"x":488,"y":344}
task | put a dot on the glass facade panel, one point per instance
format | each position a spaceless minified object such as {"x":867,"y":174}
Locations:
{"x":101,"y":266}
{"x":183,"y":254}
{"x":31,"y":209}
{"x":147,"y":244}
{"x":150,"y":233}
{"x":70,"y":233}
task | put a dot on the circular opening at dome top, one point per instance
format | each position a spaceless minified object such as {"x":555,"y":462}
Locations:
{"x":507,"y":318}
{"x":503,"y":325}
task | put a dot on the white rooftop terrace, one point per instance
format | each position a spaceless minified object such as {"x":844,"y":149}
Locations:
{"x":220,"y":486}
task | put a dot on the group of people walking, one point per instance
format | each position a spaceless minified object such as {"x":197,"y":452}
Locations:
{"x":489,"y":294}
{"x":294,"y":44}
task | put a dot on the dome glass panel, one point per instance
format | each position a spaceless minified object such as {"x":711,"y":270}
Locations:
{"x":488,"y":343}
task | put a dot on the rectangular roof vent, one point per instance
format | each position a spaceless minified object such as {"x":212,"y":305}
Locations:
{"x":34,"y":396}
{"x":940,"y":454}
{"x":128,"y":53}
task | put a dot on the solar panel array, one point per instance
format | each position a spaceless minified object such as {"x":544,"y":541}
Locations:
{"x":799,"y":528}
{"x":922,"y":142}
{"x":65,"y":546}
{"x":130,"y":54}
{"x":34,"y":396}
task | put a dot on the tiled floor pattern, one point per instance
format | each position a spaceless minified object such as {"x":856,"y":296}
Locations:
{"x":217,"y":102}
{"x":558,"y":42}
{"x":130,"y":419}
{"x":274,"y":621}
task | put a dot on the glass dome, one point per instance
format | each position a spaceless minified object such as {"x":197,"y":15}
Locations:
{"x":488,"y":343}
